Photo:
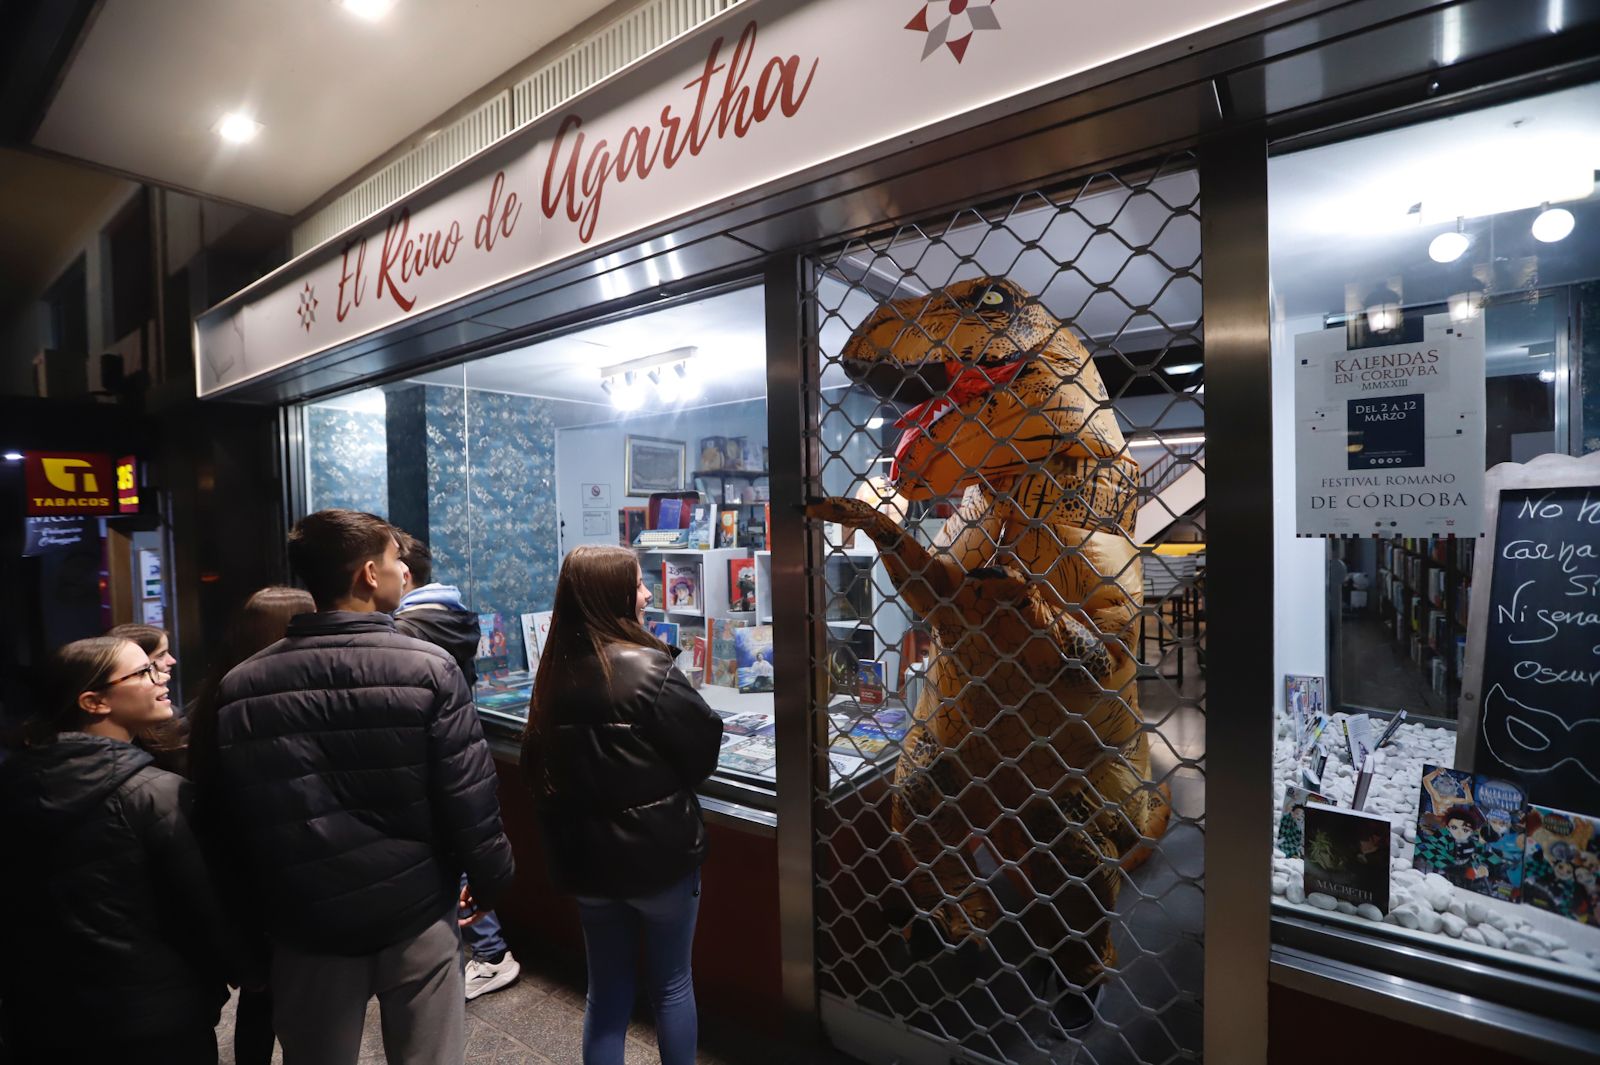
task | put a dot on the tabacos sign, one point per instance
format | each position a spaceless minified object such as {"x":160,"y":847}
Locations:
{"x":80,"y":482}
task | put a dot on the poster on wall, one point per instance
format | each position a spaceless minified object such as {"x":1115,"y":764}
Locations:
{"x":149,"y":574}
{"x":1389,"y":429}
{"x":596,"y":496}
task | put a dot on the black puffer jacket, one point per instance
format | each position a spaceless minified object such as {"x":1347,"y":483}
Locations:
{"x":614,"y":776}
{"x":112,"y":929}
{"x":354,"y":781}
{"x":454,"y":630}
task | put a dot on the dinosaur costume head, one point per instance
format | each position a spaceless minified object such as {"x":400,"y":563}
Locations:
{"x":998,"y":382}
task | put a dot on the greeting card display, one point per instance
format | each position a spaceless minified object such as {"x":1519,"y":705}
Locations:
{"x":1561,"y":867}
{"x":1347,"y":855}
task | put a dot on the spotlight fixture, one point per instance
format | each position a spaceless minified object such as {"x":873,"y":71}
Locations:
{"x":1547,"y":376}
{"x":1464,"y":306}
{"x":1552,"y":224}
{"x":13,"y":456}
{"x":670,"y":372}
{"x":1449,"y":246}
{"x":1180,"y":369}
{"x":1383,"y":309}
{"x":237,"y":128}
{"x":874,"y":423}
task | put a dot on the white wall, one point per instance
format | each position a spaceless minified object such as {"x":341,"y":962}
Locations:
{"x":593,"y":455}
{"x":1300,"y":629}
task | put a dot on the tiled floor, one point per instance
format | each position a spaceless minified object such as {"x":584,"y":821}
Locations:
{"x":536,"y":1021}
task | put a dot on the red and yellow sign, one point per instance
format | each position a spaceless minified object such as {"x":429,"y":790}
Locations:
{"x":70,"y":482}
{"x":127,"y":485}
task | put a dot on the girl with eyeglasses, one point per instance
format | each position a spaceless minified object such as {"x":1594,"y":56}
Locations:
{"x":167,"y":741}
{"x":116,"y":946}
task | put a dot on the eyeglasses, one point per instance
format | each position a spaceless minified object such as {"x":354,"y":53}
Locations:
{"x":149,"y":669}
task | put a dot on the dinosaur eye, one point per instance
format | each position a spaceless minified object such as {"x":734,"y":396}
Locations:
{"x":993,"y":298}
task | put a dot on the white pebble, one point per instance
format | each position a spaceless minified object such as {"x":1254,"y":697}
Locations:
{"x":1575,"y":958}
{"x":1458,"y":906}
{"x":1453,"y":925}
{"x":1429,"y":920}
{"x":1526,"y":945}
{"x":1346,"y":907}
{"x":1473,"y":935}
{"x":1369,"y":911}
{"x":1321,"y":901}
{"x":1438,"y":891}
{"x":1492,"y":936}
{"x":1498,"y":921}
{"x":1280,"y":884}
{"x":1295,"y":892}
{"x":1409,"y":832}
{"x":1477,"y":911}
{"x":1406,"y":918}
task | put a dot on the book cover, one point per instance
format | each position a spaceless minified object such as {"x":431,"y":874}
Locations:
{"x":669,"y":514}
{"x":1292,"y":821}
{"x":728,"y":528}
{"x":630,"y":523}
{"x":1561,"y":863}
{"x":535,"y":630}
{"x":1358,"y":739}
{"x":682,"y":583}
{"x":1469,"y":830}
{"x":658,"y":588}
{"x":744,"y":724}
{"x":1347,"y":855}
{"x":492,"y":659}
{"x":665,"y":631}
{"x":741,"y":584}
{"x":698,"y":651}
{"x":700,"y":523}
{"x":724,"y":658}
{"x":753,"y":650}
{"x":870,"y":682}
{"x":754,"y":756}
{"x":1303,"y":698}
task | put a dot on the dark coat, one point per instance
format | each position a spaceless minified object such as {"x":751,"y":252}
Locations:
{"x":454,"y":630}
{"x":112,"y":928}
{"x":353,"y":779}
{"x":614,"y":775}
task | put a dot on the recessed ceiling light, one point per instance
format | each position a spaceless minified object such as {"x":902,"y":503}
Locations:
{"x":1181,"y":368}
{"x":1553,"y":224}
{"x":236,"y":128}
{"x":13,"y":456}
{"x":874,"y":423}
{"x":1448,"y":247}
{"x":371,"y":10}
{"x":1547,"y":376}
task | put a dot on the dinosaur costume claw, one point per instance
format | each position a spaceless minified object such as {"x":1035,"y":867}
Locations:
{"x":1023,"y":786}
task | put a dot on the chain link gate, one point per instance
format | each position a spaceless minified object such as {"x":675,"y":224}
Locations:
{"x":1010,"y":448}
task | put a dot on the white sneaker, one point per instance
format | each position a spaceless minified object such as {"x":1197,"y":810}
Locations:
{"x":484,"y":977}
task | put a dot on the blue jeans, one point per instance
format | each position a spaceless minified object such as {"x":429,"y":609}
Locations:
{"x":611,"y":932}
{"x":483,"y":937}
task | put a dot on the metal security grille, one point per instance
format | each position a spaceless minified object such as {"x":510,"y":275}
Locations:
{"x":1010,"y":480}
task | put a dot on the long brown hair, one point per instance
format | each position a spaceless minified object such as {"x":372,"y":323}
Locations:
{"x":78,"y":667}
{"x":260,"y":623}
{"x":594,"y":607}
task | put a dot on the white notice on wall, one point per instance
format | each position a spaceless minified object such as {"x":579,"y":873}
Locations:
{"x":1389,"y":436}
{"x":598,"y":523}
{"x":596,"y":496}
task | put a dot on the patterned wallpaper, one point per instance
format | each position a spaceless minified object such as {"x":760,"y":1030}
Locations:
{"x":491,"y":521}
{"x":348,"y":464}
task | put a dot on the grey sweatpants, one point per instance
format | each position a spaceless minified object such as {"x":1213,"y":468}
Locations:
{"x":319,"y":1001}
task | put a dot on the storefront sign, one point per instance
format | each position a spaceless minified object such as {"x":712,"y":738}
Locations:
{"x":1389,"y":436}
{"x":128,"y":485}
{"x":46,"y":534}
{"x":70,"y":482}
{"x":739,"y":107}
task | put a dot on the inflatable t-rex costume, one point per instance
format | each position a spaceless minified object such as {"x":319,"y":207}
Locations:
{"x":1027,"y":758}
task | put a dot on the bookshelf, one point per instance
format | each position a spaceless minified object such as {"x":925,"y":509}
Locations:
{"x":1421,"y":596}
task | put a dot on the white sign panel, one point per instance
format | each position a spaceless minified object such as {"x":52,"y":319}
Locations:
{"x":596,"y":495}
{"x":750,"y":101}
{"x":1389,"y":439}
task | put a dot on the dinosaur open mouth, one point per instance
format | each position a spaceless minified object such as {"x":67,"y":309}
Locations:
{"x":966,"y":385}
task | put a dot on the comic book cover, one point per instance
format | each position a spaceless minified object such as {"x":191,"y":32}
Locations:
{"x":755,"y":755}
{"x":1468,"y":831}
{"x":1561,"y":863}
{"x":1347,"y":855}
{"x":682,"y":581}
{"x":1303,"y":699}
{"x":752,"y":648}
{"x":665,"y":631}
{"x":742,"y":584}
{"x":493,"y":657}
{"x":1292,"y":822}
{"x":724,"y":659}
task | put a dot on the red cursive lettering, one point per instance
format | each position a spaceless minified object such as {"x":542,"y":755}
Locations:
{"x":576,"y":174}
{"x":487,"y":231}
{"x":394,"y":242}
{"x":346,"y":276}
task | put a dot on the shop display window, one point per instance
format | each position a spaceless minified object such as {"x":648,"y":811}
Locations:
{"x":648,"y":430}
{"x":1435,"y":295}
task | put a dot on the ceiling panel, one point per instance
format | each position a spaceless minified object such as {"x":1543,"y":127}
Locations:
{"x":332,"y":91}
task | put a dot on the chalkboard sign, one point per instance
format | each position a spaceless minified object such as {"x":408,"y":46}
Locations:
{"x":1530,"y":697}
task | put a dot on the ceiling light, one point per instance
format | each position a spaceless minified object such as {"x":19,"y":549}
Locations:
{"x":666,"y":380}
{"x":627,"y":392}
{"x":1181,"y":368}
{"x":1168,"y":441}
{"x":13,"y":456}
{"x":689,"y":383}
{"x":1464,"y":306}
{"x":1449,"y":246}
{"x":874,"y":423}
{"x":1383,"y":309}
{"x":237,"y":128}
{"x":1547,"y":376}
{"x":371,"y":10}
{"x":1553,"y":224}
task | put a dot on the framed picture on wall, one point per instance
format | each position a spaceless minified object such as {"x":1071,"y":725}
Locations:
{"x":651,"y":464}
